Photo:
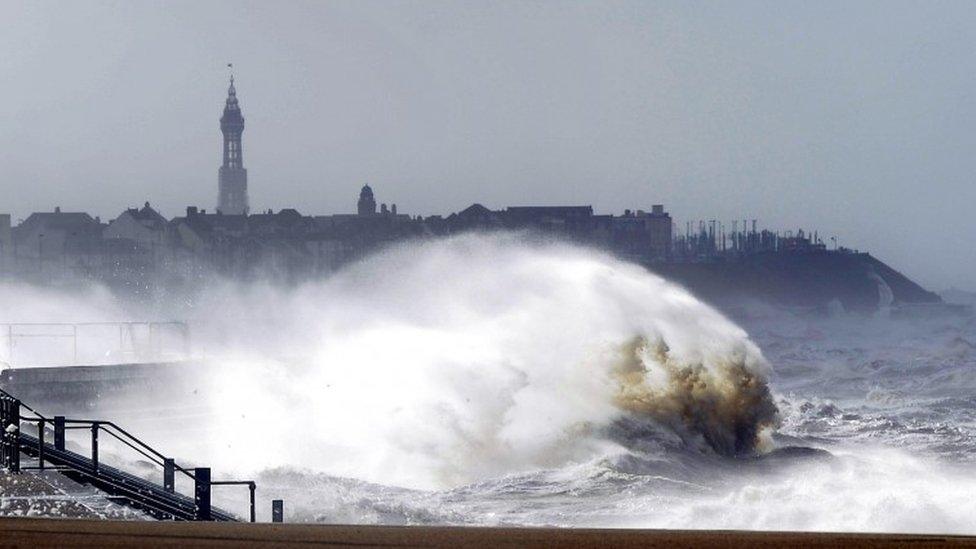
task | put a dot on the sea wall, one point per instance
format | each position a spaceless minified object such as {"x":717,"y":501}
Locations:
{"x":73,"y":389}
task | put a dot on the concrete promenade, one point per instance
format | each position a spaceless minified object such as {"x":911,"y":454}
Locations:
{"x":18,"y":532}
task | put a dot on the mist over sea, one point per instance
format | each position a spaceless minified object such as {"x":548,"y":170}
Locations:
{"x":499,"y":380}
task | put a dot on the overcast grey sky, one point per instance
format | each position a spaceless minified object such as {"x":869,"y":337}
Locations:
{"x":854,"y":118}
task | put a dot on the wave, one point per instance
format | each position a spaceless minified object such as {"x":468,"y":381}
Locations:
{"x":440,"y":363}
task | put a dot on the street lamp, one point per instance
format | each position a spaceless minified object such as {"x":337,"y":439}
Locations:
{"x":40,"y":253}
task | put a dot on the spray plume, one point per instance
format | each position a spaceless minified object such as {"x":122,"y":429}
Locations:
{"x":440,"y":363}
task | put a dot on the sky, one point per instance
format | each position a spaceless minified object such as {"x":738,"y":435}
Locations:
{"x":855,"y":119}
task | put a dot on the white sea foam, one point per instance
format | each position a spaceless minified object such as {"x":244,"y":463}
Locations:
{"x":444,"y":362}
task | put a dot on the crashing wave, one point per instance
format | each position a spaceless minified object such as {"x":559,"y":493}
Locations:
{"x":728,"y":404}
{"x":445,"y":362}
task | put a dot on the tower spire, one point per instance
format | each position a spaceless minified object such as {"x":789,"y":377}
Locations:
{"x":232,"y":177}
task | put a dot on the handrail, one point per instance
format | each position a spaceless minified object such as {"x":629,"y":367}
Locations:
{"x":102,"y":426}
{"x":155,"y":452}
{"x":126,"y":438}
{"x":33,"y":411}
{"x":251,"y":485}
{"x":137,"y":449}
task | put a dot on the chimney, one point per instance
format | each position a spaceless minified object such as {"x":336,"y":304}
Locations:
{"x":57,"y":209}
{"x":393,"y":209}
{"x":191,"y":211}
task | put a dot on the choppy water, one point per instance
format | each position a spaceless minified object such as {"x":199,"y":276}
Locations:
{"x":892,"y":402}
{"x":490,"y":380}
{"x":884,"y":407}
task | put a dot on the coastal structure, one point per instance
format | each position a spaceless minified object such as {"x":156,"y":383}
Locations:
{"x":232,"y":176}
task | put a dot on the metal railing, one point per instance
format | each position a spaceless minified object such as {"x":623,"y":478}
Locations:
{"x":139,"y":491}
{"x":153,"y":348}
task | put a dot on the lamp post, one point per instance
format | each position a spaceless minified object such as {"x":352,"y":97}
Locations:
{"x":40,"y":254}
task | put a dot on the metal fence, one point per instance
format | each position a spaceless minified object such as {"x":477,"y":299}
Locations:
{"x":74,"y":343}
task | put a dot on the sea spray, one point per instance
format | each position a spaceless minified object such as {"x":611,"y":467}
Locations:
{"x":443,"y":362}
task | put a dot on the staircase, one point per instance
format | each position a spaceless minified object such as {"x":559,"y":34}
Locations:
{"x":162,"y":502}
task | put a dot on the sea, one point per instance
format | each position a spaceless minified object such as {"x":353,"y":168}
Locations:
{"x":504,"y":380}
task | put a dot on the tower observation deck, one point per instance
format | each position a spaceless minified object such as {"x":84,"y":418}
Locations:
{"x":232,"y":177}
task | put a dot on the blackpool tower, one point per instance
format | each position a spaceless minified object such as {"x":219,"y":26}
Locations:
{"x":232,"y":177}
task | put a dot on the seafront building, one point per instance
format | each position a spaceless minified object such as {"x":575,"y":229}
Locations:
{"x":140,"y":244}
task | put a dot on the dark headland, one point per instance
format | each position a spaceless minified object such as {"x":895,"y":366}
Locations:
{"x":811,"y":279}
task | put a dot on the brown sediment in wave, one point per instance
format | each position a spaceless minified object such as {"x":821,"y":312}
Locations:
{"x":726,"y":402}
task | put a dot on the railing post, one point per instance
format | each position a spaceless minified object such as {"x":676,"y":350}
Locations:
{"x":201,"y":492}
{"x":169,"y":468}
{"x":40,"y":444}
{"x":10,"y":442}
{"x":94,"y":446}
{"x":250,"y":488}
{"x":277,"y":510}
{"x":59,"y":433}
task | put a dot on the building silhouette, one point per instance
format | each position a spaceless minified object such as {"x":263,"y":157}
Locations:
{"x":232,"y":177}
{"x":367,"y":204}
{"x":141,"y":250}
